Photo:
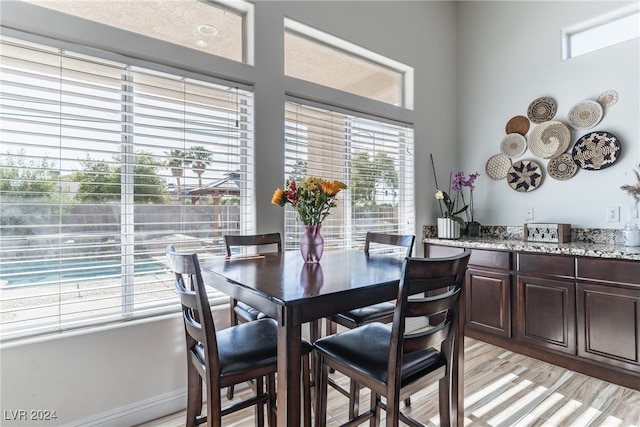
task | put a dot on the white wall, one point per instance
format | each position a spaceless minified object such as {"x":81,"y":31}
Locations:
{"x":108,"y":376}
{"x":509,"y":53}
{"x":135,"y":371}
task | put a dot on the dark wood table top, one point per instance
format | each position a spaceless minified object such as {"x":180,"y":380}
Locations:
{"x":343,"y":280}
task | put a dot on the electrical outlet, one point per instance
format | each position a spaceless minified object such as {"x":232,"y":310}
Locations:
{"x":528,"y":214}
{"x":613,"y":214}
{"x":632,"y":212}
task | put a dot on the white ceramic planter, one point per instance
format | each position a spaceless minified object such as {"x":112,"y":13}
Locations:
{"x":448,"y":229}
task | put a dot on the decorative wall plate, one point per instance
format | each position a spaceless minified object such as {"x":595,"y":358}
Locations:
{"x":518,"y":124}
{"x":549,"y":139}
{"x":513,"y":145}
{"x":498,"y":166}
{"x":608,"y":98}
{"x":542,"y":110}
{"x":524,"y":176}
{"x":596,"y":150}
{"x":562,"y":167}
{"x":585,"y":114}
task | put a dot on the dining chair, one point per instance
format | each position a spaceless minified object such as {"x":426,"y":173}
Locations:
{"x":394,"y":361}
{"x":375,"y":243}
{"x":239,"y":311}
{"x":383,"y":312}
{"x":219,"y":359}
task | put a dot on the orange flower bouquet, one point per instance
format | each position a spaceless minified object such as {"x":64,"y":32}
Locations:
{"x":312,"y":198}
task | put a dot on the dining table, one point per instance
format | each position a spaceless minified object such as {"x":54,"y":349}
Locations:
{"x":284,"y":287}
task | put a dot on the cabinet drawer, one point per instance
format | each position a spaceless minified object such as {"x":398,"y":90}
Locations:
{"x":479,"y":257}
{"x":491,"y":259}
{"x":609,"y":270}
{"x":546,"y":265}
{"x":437,"y":251}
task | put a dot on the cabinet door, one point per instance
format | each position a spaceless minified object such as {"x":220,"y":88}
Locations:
{"x":488,"y":302}
{"x":546,"y":313}
{"x":609,"y":325}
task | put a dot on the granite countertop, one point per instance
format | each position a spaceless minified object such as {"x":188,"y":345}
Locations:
{"x":572,"y":248}
{"x":579,"y":246}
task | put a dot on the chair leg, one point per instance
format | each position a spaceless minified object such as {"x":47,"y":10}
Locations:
{"x":194,"y":395}
{"x":354,"y":399}
{"x":315,"y":327}
{"x":322,"y":375}
{"x":375,"y":408}
{"x":234,"y":321}
{"x":259,"y":409}
{"x":331,"y":328}
{"x":444,"y":401}
{"x":271,"y":404}
{"x":407,"y":401}
{"x":306,"y":390}
{"x":393,"y":412}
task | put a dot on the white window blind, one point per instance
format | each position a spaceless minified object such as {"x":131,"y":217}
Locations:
{"x":104,"y":164}
{"x":373,"y":157}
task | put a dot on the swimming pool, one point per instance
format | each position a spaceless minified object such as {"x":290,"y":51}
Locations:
{"x":55,"y":271}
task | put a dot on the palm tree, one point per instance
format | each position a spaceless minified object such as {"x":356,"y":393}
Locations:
{"x":200,"y":158}
{"x":177,"y":162}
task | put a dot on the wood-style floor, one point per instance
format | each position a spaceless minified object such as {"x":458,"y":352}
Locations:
{"x":501,"y":389}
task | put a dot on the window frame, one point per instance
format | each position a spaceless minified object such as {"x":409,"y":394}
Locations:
{"x":611,"y":18}
{"x":242,"y":8}
{"x":405,"y":72}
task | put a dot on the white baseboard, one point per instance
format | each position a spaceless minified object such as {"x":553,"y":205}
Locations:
{"x":139,"y":412}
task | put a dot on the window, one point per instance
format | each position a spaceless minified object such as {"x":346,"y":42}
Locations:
{"x":373,"y":157}
{"x":319,"y":58}
{"x":103,"y":165}
{"x":216,"y":27}
{"x":604,"y":31}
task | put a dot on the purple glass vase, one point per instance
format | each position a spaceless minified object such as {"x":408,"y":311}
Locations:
{"x":311,"y":243}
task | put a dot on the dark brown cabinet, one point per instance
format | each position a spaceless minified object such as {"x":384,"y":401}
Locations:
{"x":546,"y":313}
{"x":488,"y":303}
{"x":608,"y":312}
{"x":582,"y":313}
{"x":546,"y":309}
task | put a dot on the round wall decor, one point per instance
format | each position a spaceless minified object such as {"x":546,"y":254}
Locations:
{"x":518,"y":124}
{"x":562,"y":167}
{"x":585,"y":114}
{"x":498,"y":166}
{"x":549,"y":139}
{"x":596,"y":150}
{"x":542,"y":110}
{"x":524,"y":176}
{"x":608,"y":98}
{"x":513,"y":145}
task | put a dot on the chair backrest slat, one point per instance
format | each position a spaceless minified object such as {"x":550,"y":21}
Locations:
{"x":431,"y":305}
{"x":236,"y":240}
{"x":426,"y":339}
{"x":374,"y":239}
